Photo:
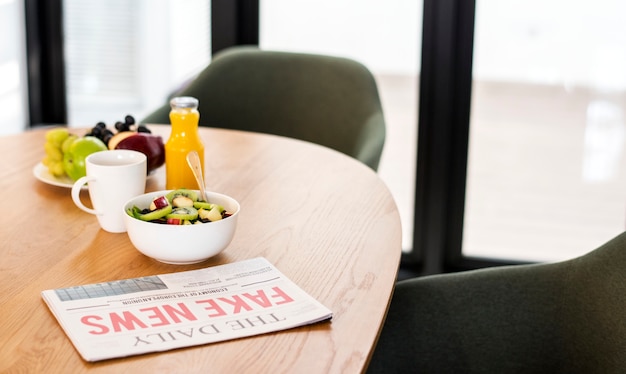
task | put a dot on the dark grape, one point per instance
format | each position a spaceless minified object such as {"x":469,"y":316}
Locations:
{"x":129,"y":120}
{"x":143,"y":128}
{"x":101,"y":131}
{"x":106,"y":137}
{"x":122,"y":126}
{"x":96,"y":131}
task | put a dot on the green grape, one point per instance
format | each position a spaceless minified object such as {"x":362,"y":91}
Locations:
{"x":56,"y":169}
{"x":57,"y":136}
{"x":53,"y":152}
{"x":53,"y":158}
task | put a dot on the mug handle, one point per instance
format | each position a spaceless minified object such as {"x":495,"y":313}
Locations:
{"x":78,"y":185}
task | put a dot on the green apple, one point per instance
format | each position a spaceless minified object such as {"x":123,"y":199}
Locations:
{"x":77,"y":152}
{"x":65,"y":147}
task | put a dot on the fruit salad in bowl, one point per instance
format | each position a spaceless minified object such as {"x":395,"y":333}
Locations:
{"x":178,"y":227}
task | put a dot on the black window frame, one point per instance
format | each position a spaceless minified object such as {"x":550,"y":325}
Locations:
{"x":47,"y":99}
{"x":445,"y":96}
{"x":443,"y":133}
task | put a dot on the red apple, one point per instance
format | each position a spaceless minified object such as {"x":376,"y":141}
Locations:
{"x":150,"y":145}
{"x":159,"y":202}
{"x":174,"y":221}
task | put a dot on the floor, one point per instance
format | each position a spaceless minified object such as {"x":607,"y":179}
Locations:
{"x":546,"y":173}
{"x":397,"y":167}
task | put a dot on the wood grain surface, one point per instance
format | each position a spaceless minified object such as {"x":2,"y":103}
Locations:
{"x":325,"y":220}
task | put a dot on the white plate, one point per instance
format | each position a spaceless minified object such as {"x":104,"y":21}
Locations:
{"x":41,"y":172}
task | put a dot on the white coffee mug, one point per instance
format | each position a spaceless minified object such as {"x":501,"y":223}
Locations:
{"x":113,"y":177}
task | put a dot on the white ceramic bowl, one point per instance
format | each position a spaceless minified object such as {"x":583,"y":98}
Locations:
{"x":181,"y":244}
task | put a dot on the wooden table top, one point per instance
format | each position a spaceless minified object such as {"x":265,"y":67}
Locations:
{"x":324,"y":219}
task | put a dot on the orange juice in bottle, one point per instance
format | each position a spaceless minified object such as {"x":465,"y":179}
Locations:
{"x":184,"y":117}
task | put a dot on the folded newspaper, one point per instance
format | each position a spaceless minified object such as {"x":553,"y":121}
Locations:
{"x":162,"y":312}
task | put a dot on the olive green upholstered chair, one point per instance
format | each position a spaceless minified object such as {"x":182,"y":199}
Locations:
{"x":326,"y":100}
{"x":566,"y":317}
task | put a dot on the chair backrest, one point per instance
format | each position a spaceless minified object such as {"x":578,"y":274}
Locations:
{"x":326,"y":100}
{"x":566,"y":317}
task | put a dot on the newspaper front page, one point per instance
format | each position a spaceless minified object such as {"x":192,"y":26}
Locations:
{"x":168,"y":311}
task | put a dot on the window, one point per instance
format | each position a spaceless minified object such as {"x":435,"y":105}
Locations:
{"x":13,"y":107}
{"x":126,"y":57}
{"x":385,"y":37}
{"x":546,"y":170}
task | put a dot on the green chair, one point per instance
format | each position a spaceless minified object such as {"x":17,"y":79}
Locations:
{"x":326,"y":100}
{"x":566,"y":317}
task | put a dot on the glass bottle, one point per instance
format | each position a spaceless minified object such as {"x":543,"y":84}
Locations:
{"x":184,"y":117}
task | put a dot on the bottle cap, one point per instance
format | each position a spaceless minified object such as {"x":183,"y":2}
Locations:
{"x":184,"y":102}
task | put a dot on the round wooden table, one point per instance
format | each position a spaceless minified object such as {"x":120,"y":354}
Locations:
{"x":322,"y":218}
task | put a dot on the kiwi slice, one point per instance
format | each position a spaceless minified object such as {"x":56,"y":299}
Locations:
{"x":193,"y":195}
{"x":149,"y":215}
{"x":208,"y":206}
{"x":186,"y":213}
